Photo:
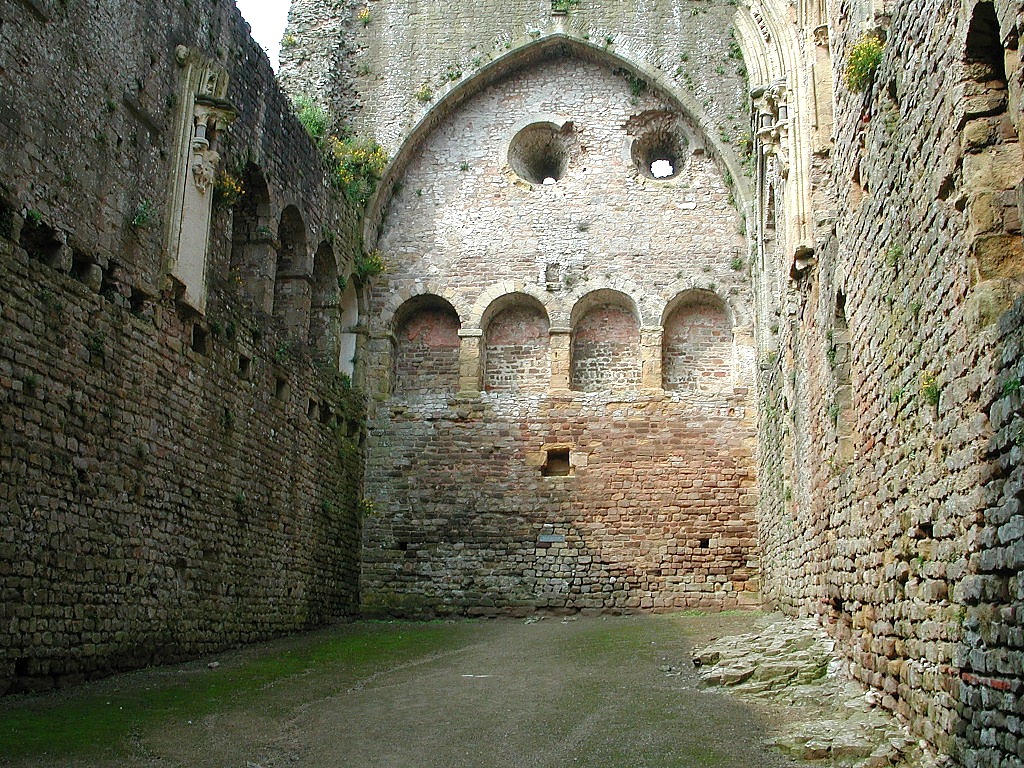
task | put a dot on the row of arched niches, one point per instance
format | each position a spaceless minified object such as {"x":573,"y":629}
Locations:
{"x":608,"y":348}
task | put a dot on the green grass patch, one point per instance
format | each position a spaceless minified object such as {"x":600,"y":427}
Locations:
{"x":102,"y":717}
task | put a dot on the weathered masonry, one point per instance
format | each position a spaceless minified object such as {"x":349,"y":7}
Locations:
{"x":693,"y":304}
{"x":180,"y":460}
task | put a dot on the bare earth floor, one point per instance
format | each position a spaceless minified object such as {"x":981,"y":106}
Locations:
{"x":603,"y":692}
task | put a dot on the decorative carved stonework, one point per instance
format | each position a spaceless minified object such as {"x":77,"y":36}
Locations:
{"x":203,"y":112}
{"x":204,"y":169}
{"x":821,"y":36}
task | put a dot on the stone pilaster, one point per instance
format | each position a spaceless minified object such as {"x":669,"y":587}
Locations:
{"x":650,"y":357}
{"x":470,"y":360}
{"x":561,"y":340}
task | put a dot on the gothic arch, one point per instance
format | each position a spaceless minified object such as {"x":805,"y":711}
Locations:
{"x":252,"y":240}
{"x":541,"y":49}
{"x":291,"y":275}
{"x":771,"y":48}
{"x":324,"y":320}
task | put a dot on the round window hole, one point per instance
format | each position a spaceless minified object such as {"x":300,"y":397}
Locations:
{"x":659,"y":153}
{"x":539,"y":153}
{"x":662,"y":169}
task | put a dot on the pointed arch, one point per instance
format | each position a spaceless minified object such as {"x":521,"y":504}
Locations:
{"x":554,"y":45}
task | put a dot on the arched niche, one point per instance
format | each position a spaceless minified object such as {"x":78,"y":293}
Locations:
{"x":515,"y":345}
{"x":605,"y":344}
{"x":291,"y":284}
{"x":426,"y":344}
{"x":349,"y":320}
{"x":697,"y":344}
{"x":253,"y":258}
{"x":324,"y":321}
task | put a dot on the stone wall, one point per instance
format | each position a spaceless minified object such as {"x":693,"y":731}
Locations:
{"x":989,"y":652}
{"x":181,"y":472}
{"x":526,"y":240}
{"x":877,"y":490}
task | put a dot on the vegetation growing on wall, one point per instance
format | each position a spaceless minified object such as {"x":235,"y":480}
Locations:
{"x":865,"y":56}
{"x":356,"y":162}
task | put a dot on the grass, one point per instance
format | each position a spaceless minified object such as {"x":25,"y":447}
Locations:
{"x":103,"y":717}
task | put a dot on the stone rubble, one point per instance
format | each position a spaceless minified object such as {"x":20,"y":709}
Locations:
{"x":792,"y":663}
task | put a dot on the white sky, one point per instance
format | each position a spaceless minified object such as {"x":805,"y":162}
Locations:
{"x":267,"y":19}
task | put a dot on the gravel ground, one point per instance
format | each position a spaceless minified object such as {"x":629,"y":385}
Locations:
{"x":600,"y":692}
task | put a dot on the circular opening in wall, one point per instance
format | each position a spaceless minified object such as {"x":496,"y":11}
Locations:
{"x":659,"y":153}
{"x":539,"y":153}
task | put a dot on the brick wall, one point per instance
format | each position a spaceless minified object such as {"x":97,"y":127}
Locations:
{"x":605,"y":350}
{"x":173,"y":483}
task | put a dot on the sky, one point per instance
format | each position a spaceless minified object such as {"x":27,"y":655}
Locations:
{"x":267,"y":19}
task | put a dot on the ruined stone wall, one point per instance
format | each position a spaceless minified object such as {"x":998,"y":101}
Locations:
{"x":173,"y":482}
{"x":878,"y":411}
{"x":563,"y":476}
{"x":989,"y":652}
{"x":406,"y":56}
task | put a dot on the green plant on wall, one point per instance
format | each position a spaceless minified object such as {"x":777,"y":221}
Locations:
{"x":358,"y":166}
{"x":369,"y":264}
{"x":563,"y":6}
{"x":227,"y":189}
{"x":314,"y":118}
{"x":145,"y":213}
{"x":865,"y":56}
{"x":930,"y":388}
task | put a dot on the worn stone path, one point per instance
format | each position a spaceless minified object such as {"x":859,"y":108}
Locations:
{"x":604,"y":692}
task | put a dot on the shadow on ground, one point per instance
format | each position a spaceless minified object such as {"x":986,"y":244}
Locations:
{"x":605,"y":692}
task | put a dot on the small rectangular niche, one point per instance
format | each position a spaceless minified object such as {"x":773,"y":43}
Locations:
{"x":557,"y":463}
{"x":244,"y":366}
{"x":200,"y":340}
{"x":313,"y":410}
{"x":281,"y":390}
{"x":704,"y":543}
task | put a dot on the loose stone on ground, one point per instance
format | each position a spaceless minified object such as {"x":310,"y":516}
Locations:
{"x":792,"y":663}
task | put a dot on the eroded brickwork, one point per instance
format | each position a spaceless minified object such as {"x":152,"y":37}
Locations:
{"x":562,"y":477}
{"x":173,"y":483}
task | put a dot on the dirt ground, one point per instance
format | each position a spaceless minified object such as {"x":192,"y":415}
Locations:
{"x":601,"y":692}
